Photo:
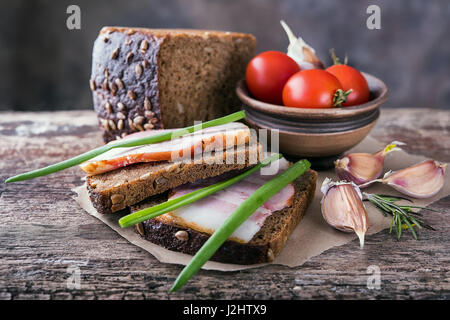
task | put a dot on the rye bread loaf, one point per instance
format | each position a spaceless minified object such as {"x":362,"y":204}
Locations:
{"x":115,"y":190}
{"x":264,"y":246}
{"x":165,"y":78}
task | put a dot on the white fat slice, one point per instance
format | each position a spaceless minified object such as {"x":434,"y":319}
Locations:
{"x":179,"y":149}
{"x":208,"y":214}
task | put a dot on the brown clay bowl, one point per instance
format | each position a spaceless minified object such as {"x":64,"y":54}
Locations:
{"x":315,"y":133}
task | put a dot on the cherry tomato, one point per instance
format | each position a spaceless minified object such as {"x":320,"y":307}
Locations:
{"x":267,"y":74}
{"x":313,"y":88}
{"x":350,"y":78}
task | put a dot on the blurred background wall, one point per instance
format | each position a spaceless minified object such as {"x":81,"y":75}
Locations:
{"x":45,"y":66}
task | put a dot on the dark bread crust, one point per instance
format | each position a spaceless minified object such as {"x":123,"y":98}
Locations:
{"x":114,"y":79}
{"x":115,"y":190}
{"x":264,"y":246}
{"x":131,"y":80}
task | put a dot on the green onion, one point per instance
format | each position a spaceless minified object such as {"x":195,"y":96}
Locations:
{"x":242,"y":213}
{"x":123,"y":144}
{"x":168,"y":206}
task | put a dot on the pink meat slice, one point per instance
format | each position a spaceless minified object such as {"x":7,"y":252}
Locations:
{"x":214,"y":209}
{"x":182,"y":148}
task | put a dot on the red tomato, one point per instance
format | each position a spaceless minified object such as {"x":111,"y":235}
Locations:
{"x":313,"y":88}
{"x":350,"y":78}
{"x":267,"y":74}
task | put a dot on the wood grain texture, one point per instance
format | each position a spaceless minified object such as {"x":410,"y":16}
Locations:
{"x":43,"y":232}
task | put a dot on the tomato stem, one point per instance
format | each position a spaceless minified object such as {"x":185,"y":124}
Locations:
{"x":335,"y":59}
{"x":340,"y":97}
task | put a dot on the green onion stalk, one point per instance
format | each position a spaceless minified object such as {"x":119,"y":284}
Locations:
{"x":170,"y":205}
{"x":242,"y":213}
{"x":124,"y":144}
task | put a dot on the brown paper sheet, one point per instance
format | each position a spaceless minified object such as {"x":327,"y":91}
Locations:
{"x":311,"y":237}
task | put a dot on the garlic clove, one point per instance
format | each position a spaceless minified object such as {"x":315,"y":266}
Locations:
{"x":359,"y":167}
{"x":302,"y":53}
{"x":422,"y":180}
{"x":363,"y":168}
{"x":343,"y":209}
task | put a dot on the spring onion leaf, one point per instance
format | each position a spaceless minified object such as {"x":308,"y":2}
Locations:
{"x":243,"y":212}
{"x":123,"y":144}
{"x":170,"y":205}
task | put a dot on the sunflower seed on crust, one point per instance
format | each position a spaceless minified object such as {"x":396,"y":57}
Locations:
{"x":130,"y":56}
{"x":105,"y":124}
{"x":149,"y":114}
{"x":117,"y":198}
{"x":138,"y":120}
{"x":108,"y":108}
{"x":112,"y":124}
{"x":144,"y":46}
{"x":138,"y":69}
{"x":130,"y":125}
{"x":115,"y":53}
{"x":148,"y":126}
{"x":105,"y":84}
{"x":113,"y":88}
{"x":131,"y":95}
{"x":92,"y":84}
{"x":120,"y":115}
{"x":182,"y":235}
{"x":119,"y":83}
{"x":140,"y":229}
{"x":147,"y":104}
{"x":121,"y":106}
{"x":120,"y":124}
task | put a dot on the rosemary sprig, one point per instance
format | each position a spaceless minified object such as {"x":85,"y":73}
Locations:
{"x":403,"y":216}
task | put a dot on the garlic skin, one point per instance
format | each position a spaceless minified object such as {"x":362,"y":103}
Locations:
{"x":342,"y":208}
{"x":363,"y":168}
{"x":422,"y":180}
{"x":302,"y":53}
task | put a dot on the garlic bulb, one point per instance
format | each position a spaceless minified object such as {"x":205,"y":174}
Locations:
{"x":303,"y":54}
{"x":343,"y":209}
{"x":422,"y":180}
{"x":363,"y":168}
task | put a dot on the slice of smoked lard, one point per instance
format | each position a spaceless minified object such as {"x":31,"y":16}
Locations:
{"x":182,"y":148}
{"x":208,"y":214}
{"x":115,"y":190}
{"x":265,"y":245}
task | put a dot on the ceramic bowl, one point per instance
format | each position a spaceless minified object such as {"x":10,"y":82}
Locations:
{"x":315,"y":133}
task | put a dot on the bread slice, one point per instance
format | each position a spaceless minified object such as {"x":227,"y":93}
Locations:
{"x":144,"y":79}
{"x":263,"y":247}
{"x":115,"y":190}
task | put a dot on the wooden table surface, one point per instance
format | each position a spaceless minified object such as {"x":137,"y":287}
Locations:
{"x":43,"y":232}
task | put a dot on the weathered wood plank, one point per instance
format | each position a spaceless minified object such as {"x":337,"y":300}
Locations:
{"x":43,"y":231}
